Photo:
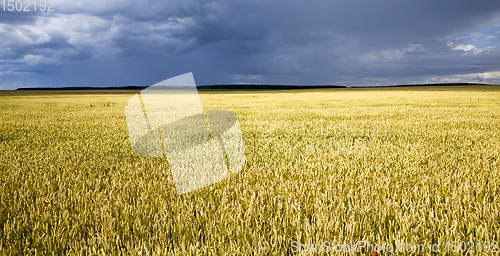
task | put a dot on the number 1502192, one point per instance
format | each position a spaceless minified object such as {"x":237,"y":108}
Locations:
{"x":27,"y":6}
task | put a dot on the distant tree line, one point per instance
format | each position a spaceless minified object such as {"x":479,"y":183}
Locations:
{"x":244,"y":87}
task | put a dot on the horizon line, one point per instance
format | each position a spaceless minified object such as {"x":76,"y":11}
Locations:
{"x":246,"y":85}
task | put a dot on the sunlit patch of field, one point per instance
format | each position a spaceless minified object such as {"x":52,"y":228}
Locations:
{"x":393,"y":165}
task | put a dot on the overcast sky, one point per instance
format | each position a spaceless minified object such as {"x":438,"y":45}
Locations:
{"x":352,"y":42}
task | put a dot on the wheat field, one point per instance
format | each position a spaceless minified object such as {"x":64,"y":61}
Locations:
{"x":413,"y":165}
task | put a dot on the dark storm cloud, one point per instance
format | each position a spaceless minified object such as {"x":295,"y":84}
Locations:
{"x":222,"y":41}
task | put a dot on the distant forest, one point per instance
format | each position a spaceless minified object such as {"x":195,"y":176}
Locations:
{"x":246,"y":87}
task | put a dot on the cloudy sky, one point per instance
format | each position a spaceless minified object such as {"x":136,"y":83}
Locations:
{"x":351,"y":42}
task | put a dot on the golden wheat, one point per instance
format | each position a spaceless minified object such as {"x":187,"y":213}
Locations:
{"x":394,"y":165}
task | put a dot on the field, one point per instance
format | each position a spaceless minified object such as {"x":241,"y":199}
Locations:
{"x":413,"y":165}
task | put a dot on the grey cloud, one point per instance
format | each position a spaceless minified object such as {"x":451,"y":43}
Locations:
{"x":16,"y":18}
{"x":224,"y":41}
